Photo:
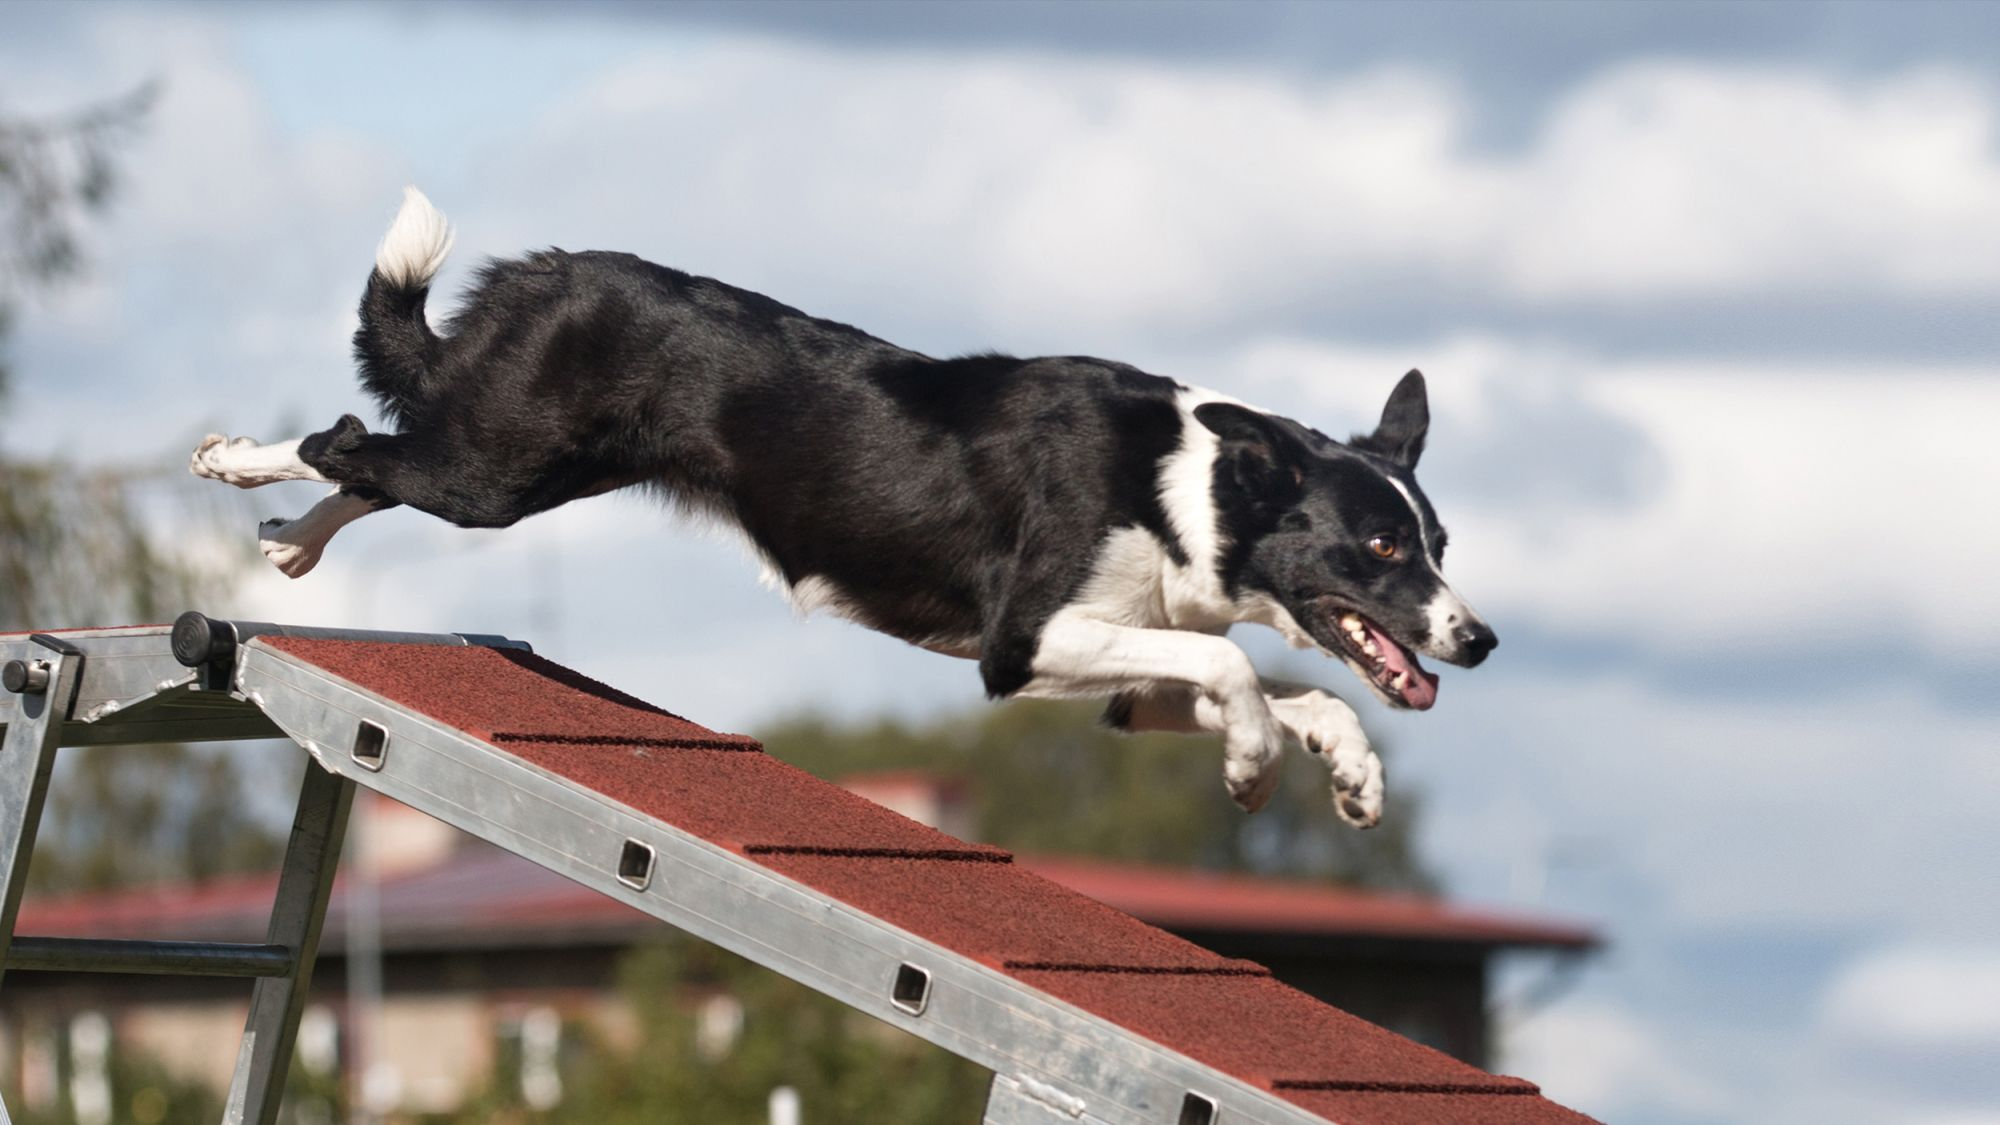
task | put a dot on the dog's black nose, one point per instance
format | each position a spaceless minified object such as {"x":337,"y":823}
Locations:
{"x":1477,"y":639}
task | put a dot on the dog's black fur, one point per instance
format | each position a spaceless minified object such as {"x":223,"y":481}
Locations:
{"x":948,"y":499}
{"x":960,"y":504}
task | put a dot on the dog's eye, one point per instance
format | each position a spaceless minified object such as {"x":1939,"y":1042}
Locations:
{"x":1384,"y":546}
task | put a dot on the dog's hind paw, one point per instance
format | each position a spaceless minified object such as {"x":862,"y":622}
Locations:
{"x":211,"y":459}
{"x":293,"y":558}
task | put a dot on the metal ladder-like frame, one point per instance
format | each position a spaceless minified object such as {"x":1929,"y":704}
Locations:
{"x":46,"y":687}
{"x":208,"y":680}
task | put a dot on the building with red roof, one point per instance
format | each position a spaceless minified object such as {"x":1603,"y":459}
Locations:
{"x":475,"y":940}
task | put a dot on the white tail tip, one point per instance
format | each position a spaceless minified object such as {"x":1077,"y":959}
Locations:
{"x":417,"y":243}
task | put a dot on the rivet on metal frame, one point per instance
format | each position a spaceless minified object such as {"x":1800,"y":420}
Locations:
{"x":371,"y":746}
{"x":912,"y":991}
{"x":1198,"y":1109}
{"x":635,"y":865}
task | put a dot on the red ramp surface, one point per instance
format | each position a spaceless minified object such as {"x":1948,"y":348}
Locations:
{"x":968,"y":898}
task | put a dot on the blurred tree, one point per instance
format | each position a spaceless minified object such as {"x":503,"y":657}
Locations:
{"x":1047,"y":778}
{"x":84,"y":545}
{"x":75,"y":546}
{"x":52,"y":175}
{"x":141,"y":1091}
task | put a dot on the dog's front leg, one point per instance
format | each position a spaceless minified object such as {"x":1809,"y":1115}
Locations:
{"x":1313,"y":718}
{"x":1082,"y":657}
{"x":1325,"y":725}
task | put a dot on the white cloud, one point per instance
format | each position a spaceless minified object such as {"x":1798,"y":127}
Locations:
{"x":1771,"y":814}
{"x":1664,"y":178}
{"x":1093,"y":197}
{"x":1763,"y":506}
{"x":224,"y":277}
{"x":1918,"y":999}
{"x":1604,"y":1060}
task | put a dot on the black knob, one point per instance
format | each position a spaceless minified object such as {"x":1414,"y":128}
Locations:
{"x":25,"y":677}
{"x":199,"y":640}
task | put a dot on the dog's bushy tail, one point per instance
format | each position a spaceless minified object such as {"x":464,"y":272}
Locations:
{"x":395,"y":346}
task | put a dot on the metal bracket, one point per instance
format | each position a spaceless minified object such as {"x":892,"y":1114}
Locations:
{"x":1021,"y":1100}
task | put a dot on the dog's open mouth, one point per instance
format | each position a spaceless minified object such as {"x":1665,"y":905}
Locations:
{"x":1391,"y":668}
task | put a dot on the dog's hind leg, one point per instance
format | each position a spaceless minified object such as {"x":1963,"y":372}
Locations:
{"x":1077,"y":656}
{"x":489,"y":482}
{"x":1314,"y":719}
{"x":294,"y":546}
{"x":245,"y":463}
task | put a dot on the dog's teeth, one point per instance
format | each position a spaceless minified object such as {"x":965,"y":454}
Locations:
{"x":1401,"y":681}
{"x":1351,"y":622}
{"x":1369,"y":648}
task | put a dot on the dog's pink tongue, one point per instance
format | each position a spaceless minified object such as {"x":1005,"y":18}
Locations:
{"x":1421,"y":689}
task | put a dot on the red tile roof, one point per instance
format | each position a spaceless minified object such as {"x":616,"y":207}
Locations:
{"x":484,"y":897}
{"x":1209,"y":901}
{"x":1227,"y":1014}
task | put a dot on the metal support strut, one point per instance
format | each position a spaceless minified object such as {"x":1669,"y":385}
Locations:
{"x":276,"y":1002}
{"x":47,"y":686}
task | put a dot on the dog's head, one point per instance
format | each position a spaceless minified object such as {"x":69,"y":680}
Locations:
{"x":1340,"y":537}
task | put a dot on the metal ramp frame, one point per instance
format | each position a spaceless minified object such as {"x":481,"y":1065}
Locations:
{"x":1085,"y":1015}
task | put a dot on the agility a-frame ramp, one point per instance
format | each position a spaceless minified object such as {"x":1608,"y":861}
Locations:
{"x":1085,"y":1015}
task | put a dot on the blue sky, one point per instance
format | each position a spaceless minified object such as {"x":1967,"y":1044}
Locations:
{"x":1705,"y":294}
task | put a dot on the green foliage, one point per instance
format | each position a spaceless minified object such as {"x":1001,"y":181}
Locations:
{"x":76,"y":544}
{"x":102,"y":545}
{"x":845,"y":1066}
{"x":124,"y":815}
{"x":142,"y":1093}
{"x":76,"y":547}
{"x":52,"y":174}
{"x":1047,"y":778}
{"x":312,"y":1099}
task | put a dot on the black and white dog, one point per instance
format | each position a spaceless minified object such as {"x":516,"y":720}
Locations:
{"x":1078,"y":527}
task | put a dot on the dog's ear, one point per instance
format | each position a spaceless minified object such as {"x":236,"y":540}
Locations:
{"x":1266,"y":460}
{"x":1406,"y":418}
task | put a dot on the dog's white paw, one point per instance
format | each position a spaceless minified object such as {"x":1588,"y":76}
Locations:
{"x":294,"y":559}
{"x":1253,"y":751}
{"x":1329,"y":728}
{"x":213,"y":459}
{"x":1358,"y":793}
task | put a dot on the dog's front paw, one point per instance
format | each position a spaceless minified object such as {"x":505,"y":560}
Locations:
{"x":1253,"y":752}
{"x":1332,"y":730}
{"x":1358,"y":792}
{"x":293,"y":558}
{"x":211,"y":459}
